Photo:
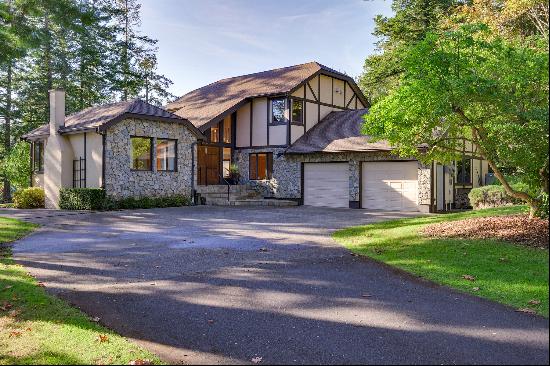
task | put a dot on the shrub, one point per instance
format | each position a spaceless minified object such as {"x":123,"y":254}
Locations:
{"x":96,"y":199}
{"x":543,"y":209}
{"x":32,"y":197}
{"x":82,"y":199}
{"x":493,"y":196}
{"x":150,"y":202}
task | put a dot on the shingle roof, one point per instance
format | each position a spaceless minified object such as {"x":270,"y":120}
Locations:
{"x":100,"y":117}
{"x":212,"y":101}
{"x":337,"y":132}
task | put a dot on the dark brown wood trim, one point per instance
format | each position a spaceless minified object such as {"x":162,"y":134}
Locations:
{"x":302,"y":183}
{"x":288,"y":127}
{"x":319,"y":99}
{"x":260,"y":147}
{"x":268,"y":105}
{"x":360,"y":184}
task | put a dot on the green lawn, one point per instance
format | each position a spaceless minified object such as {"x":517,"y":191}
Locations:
{"x":507,"y":273}
{"x":37,"y":328}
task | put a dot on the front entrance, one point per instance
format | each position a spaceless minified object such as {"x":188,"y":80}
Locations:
{"x":208,"y":165}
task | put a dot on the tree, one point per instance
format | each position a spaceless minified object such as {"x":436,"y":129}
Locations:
{"x":16,"y":166}
{"x":410,"y":23}
{"x":468,"y":84}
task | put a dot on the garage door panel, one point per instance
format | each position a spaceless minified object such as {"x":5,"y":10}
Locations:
{"x":390,"y":186}
{"x":326,"y":184}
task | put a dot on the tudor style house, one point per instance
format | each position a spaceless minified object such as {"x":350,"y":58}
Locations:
{"x":292,"y":133}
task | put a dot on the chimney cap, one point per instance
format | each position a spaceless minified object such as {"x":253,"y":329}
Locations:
{"x":56,"y":89}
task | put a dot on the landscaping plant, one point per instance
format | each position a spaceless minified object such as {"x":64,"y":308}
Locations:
{"x":32,"y":197}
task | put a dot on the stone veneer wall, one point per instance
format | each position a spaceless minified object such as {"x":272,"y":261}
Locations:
{"x":286,"y":181}
{"x":122,"y":182}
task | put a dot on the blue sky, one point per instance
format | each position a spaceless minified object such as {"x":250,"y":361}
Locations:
{"x":201,"y":41}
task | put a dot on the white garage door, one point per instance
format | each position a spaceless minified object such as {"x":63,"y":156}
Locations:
{"x":326,"y":184}
{"x":390,"y":186}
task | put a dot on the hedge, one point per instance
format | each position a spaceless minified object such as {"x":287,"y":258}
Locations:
{"x":82,"y":199}
{"x":493,"y":196}
{"x":32,"y":197}
{"x":96,"y":199}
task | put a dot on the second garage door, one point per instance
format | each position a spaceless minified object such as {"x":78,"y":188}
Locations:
{"x":390,"y":186}
{"x":326,"y":184}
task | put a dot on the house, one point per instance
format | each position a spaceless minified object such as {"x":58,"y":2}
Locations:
{"x":294,"y":134}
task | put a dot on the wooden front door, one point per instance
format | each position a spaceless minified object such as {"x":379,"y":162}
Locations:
{"x":208,"y":165}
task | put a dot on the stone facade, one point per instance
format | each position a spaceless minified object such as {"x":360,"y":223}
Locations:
{"x":286,"y":181}
{"x":461,"y":198}
{"x":122,"y":182}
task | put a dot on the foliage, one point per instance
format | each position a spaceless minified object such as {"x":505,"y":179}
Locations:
{"x":151,"y":202}
{"x":544,"y":210}
{"x":409,"y":25}
{"x":462,"y":85}
{"x":507,"y":273}
{"x":494,"y":196}
{"x":81,"y":198}
{"x":96,"y":199}
{"x":92,"y":49}
{"x":510,"y":19}
{"x":16,"y":166}
{"x":32,"y":197}
{"x":41,"y":329}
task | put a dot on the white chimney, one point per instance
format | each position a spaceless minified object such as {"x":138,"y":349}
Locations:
{"x":57,"y":110}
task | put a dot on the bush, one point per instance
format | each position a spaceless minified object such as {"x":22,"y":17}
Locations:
{"x":81,"y":199}
{"x":32,"y":197}
{"x":543,"y":209}
{"x":494,"y":196}
{"x":96,"y":199}
{"x":150,"y":202}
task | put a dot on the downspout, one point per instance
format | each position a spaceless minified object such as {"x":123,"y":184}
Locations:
{"x":193,"y":192}
{"x":432,"y":186}
{"x":103,"y":139}
{"x":31,"y":164}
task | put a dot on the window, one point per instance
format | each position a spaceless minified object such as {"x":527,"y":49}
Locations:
{"x":141,"y":153}
{"x":166,"y":154}
{"x":297,"y":111}
{"x":278,"y":109}
{"x":226,"y":162}
{"x":260,"y":166}
{"x":38,"y":156}
{"x":227,"y":130}
{"x":215,"y":133}
{"x":464,"y":171}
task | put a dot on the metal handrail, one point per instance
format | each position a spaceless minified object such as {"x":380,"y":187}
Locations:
{"x":226,"y":183}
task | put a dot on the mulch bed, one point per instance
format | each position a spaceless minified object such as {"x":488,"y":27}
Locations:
{"x":519,"y":229}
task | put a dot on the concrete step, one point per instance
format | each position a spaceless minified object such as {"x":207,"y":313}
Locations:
{"x":263,"y":202}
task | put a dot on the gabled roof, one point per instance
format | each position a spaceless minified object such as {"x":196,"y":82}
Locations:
{"x":212,"y":102}
{"x":337,"y":132}
{"x":101,"y":117}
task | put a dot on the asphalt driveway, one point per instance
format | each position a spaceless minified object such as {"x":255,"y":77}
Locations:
{"x":228,"y":285}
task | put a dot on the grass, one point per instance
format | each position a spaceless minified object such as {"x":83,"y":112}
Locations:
{"x":507,"y":273}
{"x":41,"y":329}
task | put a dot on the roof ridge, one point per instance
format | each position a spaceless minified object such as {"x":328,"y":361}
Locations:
{"x":250,"y":74}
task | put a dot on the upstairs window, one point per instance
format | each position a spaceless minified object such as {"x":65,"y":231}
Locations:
{"x":297,"y":111}
{"x":278,"y":110}
{"x":260,"y":166}
{"x":215,"y":133}
{"x":464,"y":171}
{"x":38,"y":156}
{"x":227,"y":130}
{"x":166,"y":155}
{"x":141,"y":153}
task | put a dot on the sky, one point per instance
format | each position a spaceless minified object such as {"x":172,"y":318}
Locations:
{"x":202,"y":41}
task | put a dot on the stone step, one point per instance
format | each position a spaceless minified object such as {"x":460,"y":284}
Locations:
{"x":263,"y":202}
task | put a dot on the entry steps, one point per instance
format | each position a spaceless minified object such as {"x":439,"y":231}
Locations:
{"x":238,"y":195}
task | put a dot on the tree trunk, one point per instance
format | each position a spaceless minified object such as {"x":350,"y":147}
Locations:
{"x":533,"y":203}
{"x":7,"y":130}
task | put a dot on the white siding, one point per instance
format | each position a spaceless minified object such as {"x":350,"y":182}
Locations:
{"x":243,"y":126}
